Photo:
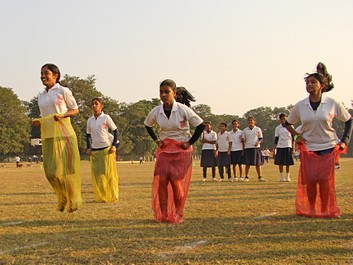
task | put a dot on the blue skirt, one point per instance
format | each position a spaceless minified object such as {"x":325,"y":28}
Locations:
{"x":284,"y":157}
{"x":253,"y":157}
{"x":236,"y":157}
{"x":223,"y":159}
{"x":208,"y":158}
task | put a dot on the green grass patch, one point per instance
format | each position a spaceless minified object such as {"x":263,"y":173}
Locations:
{"x":225,"y":223}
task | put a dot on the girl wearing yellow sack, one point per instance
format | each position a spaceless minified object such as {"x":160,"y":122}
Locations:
{"x":101,"y":147}
{"x":61,"y":157}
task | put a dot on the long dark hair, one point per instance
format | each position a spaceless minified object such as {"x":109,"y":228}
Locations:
{"x":54,"y":69}
{"x":322,"y":76}
{"x":183,"y":96}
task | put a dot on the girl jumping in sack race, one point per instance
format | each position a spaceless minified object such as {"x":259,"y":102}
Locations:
{"x":318,"y":145}
{"x":61,"y":158}
{"x":101,"y":147}
{"x":173,"y":166}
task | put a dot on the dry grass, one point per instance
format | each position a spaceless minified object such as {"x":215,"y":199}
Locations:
{"x":225,"y":223}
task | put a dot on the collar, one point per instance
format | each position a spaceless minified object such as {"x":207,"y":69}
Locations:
{"x":56,"y":86}
{"x":101,"y":115}
{"x":174,"y":107}
{"x":323,"y":100}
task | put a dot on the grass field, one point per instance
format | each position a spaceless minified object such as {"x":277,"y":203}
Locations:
{"x":225,"y":223}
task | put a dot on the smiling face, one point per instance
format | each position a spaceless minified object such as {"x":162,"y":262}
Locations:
{"x":251,"y":123}
{"x":235,"y":125}
{"x":48,"y":78}
{"x":167,"y":95}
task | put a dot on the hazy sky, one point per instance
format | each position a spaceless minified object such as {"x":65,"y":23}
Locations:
{"x":232,"y":55}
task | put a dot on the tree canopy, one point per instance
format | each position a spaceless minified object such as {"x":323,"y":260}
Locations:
{"x":14,"y":129}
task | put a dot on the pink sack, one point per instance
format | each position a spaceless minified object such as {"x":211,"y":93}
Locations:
{"x":172,"y":175}
{"x":316,"y":195}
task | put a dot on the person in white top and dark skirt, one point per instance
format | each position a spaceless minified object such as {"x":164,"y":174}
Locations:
{"x":283,"y":148}
{"x":236,"y":150}
{"x":252,"y":138}
{"x":223,"y":152}
{"x":208,"y":153}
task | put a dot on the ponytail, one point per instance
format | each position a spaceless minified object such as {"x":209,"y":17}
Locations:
{"x":323,"y":76}
{"x":183,"y":96}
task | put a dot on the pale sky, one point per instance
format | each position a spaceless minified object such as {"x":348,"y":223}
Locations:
{"x":231,"y":55}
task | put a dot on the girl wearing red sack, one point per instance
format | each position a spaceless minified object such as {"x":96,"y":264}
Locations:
{"x":319,"y":145}
{"x":173,"y":166}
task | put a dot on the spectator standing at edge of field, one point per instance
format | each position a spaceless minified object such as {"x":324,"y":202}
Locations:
{"x":18,"y":160}
{"x":208,"y":153}
{"x":61,"y":157}
{"x":173,"y":166}
{"x":319,"y":145}
{"x":223,"y":152}
{"x":283,"y":148}
{"x":236,"y":146}
{"x":101,"y":147}
{"x":252,"y":138}
{"x":266,"y":155}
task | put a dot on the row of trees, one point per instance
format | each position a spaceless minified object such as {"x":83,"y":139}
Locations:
{"x":16,"y":115}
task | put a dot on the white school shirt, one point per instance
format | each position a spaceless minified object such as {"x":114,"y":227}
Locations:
{"x":98,"y":128}
{"x":223,"y":141}
{"x":211,"y":136}
{"x":235,"y":139}
{"x":284,"y":137}
{"x":251,"y":137}
{"x":177,"y":126}
{"x":57,"y":100}
{"x":266,"y":152}
{"x":316,"y":126}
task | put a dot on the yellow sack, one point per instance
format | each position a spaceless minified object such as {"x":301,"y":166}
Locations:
{"x":61,"y":161}
{"x":104,"y":176}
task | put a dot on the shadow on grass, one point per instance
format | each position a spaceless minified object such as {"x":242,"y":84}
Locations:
{"x":198,"y":239}
{"x":201,"y":240}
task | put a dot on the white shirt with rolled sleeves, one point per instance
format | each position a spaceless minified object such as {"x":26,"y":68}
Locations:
{"x":223,"y":141}
{"x":284,"y":137}
{"x":57,"y":100}
{"x":98,"y":128}
{"x":177,"y":127}
{"x":211,"y":136}
{"x":235,"y":139}
{"x":316,"y":126}
{"x":252,"y":136}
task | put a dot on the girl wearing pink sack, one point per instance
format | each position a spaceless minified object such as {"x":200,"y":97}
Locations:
{"x":173,"y":166}
{"x":319,"y":145}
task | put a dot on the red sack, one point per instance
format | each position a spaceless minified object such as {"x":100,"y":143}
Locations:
{"x":316,"y":196}
{"x":171,"y":181}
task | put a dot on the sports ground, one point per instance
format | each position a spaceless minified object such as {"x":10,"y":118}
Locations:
{"x":225,"y":222}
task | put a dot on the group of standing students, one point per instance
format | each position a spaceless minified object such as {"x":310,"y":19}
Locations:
{"x":317,"y":140}
{"x":242,"y":147}
{"x":234,"y":148}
